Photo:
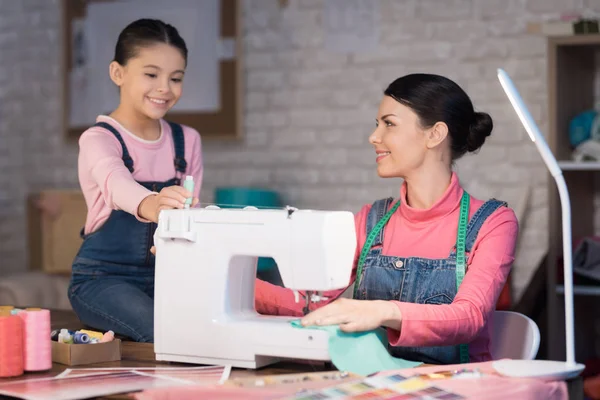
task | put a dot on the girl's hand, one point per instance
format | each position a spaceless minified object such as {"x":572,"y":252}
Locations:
{"x":169,"y":198}
{"x":355,"y":315}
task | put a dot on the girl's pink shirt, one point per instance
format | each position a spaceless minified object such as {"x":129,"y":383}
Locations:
{"x":108,"y":185}
{"x":431,"y":233}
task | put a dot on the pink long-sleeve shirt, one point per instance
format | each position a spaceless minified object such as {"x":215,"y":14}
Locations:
{"x":106,"y":182}
{"x":431,"y":233}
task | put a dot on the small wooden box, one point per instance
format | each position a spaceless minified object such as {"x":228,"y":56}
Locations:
{"x":55,"y":220}
{"x":81,"y":354}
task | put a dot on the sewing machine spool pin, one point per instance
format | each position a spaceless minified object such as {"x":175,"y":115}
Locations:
{"x":290,"y":210}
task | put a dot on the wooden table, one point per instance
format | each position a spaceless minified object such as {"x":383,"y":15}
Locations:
{"x":137,"y":355}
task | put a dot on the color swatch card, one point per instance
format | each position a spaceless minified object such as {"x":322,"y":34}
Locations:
{"x":393,"y":387}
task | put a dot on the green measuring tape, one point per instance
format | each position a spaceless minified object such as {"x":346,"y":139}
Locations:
{"x":461,"y":263}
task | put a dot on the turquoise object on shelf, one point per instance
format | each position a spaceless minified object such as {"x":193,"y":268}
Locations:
{"x":580,"y":127}
{"x":238,"y":197}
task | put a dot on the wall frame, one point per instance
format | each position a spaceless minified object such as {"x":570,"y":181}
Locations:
{"x":226,"y":123}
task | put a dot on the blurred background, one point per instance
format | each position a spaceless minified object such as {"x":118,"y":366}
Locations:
{"x":285,"y":95}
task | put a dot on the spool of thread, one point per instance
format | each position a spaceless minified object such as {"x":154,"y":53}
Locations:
{"x":188,"y":184}
{"x":15,"y":311}
{"x":81,"y":338}
{"x":37,"y":350}
{"x":108,"y":337}
{"x":65,"y":337}
{"x":33,"y":309}
{"x":5,"y":310}
{"x":11,"y":346}
{"x":92,"y":334}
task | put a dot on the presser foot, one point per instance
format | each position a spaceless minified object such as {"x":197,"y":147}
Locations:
{"x":313,"y":297}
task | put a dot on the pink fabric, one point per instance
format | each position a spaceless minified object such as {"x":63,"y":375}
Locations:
{"x":108,"y":185}
{"x":431,"y":233}
{"x":490,"y":386}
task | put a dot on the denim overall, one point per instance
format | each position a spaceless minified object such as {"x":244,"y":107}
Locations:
{"x":112,"y":283}
{"x":417,"y":280}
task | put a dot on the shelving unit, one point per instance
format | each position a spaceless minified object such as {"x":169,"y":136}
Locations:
{"x":572,"y":70}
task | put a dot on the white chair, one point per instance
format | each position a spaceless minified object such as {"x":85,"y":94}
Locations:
{"x":514,"y":336}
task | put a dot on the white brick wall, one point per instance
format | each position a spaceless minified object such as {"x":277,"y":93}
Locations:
{"x":33,"y":153}
{"x":308,"y":111}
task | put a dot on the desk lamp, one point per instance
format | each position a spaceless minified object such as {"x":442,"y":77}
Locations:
{"x":546,"y":369}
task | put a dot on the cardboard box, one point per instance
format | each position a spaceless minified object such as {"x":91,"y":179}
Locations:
{"x":81,"y":354}
{"x":55,"y":220}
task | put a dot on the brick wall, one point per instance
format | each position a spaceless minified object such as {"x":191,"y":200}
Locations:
{"x":308,"y":111}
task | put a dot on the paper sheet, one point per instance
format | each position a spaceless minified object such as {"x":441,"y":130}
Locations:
{"x":361,"y":353}
{"x":84,"y":386}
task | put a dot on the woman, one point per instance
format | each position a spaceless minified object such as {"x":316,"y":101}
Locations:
{"x":408,"y":272}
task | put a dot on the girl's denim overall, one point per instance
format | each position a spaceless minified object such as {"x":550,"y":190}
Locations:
{"x":415,"y":279}
{"x":112,"y":283}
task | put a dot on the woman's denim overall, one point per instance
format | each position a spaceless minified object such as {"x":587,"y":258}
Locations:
{"x":112,"y":283}
{"x":415,"y":279}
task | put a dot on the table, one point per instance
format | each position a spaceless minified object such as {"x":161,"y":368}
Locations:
{"x":142,"y":355}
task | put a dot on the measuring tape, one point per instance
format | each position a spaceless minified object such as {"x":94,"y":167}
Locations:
{"x":461,"y":263}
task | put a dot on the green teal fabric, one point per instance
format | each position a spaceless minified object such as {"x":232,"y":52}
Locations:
{"x":362,"y":353}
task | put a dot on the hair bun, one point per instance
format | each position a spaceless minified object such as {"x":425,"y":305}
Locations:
{"x":480,"y":128}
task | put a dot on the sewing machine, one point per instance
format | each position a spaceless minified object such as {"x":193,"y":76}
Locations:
{"x":205,"y":278}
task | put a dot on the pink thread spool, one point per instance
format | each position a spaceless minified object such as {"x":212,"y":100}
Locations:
{"x":37,"y":345}
{"x":11,"y":346}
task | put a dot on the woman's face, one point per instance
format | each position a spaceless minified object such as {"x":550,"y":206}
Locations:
{"x":399,"y":141}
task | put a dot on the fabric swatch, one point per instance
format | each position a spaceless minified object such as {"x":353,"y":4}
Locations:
{"x":362,"y":353}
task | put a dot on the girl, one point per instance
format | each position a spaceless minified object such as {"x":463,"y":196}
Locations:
{"x":406,"y":275}
{"x":131,"y":165}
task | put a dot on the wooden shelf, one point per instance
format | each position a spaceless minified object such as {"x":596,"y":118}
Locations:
{"x":575,"y":40}
{"x":581,"y":290}
{"x":572,"y":69}
{"x":579,"y":166}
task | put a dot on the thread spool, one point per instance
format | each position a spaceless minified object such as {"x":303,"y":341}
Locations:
{"x":92,"y":334}
{"x":5,"y":310}
{"x":11,"y":346}
{"x":37,"y":350}
{"x":81,"y":338}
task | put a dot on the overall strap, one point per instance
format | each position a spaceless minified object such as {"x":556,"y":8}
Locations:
{"x":179,"y":141}
{"x":127,"y":160}
{"x":376,"y":213}
{"x":479,"y":218}
{"x":376,"y":220}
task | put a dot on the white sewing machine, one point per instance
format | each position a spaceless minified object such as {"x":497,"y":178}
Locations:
{"x":205,"y":277}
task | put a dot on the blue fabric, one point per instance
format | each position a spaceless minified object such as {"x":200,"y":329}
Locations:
{"x":416,"y":279}
{"x":112,"y":281}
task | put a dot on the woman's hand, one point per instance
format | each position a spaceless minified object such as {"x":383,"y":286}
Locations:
{"x":168,"y":198}
{"x":356,"y":315}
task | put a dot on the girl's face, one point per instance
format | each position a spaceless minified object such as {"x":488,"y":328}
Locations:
{"x":151,"y":82}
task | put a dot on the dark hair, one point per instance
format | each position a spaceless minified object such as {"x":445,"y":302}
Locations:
{"x":434,"y":99}
{"x":146,"y":32}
